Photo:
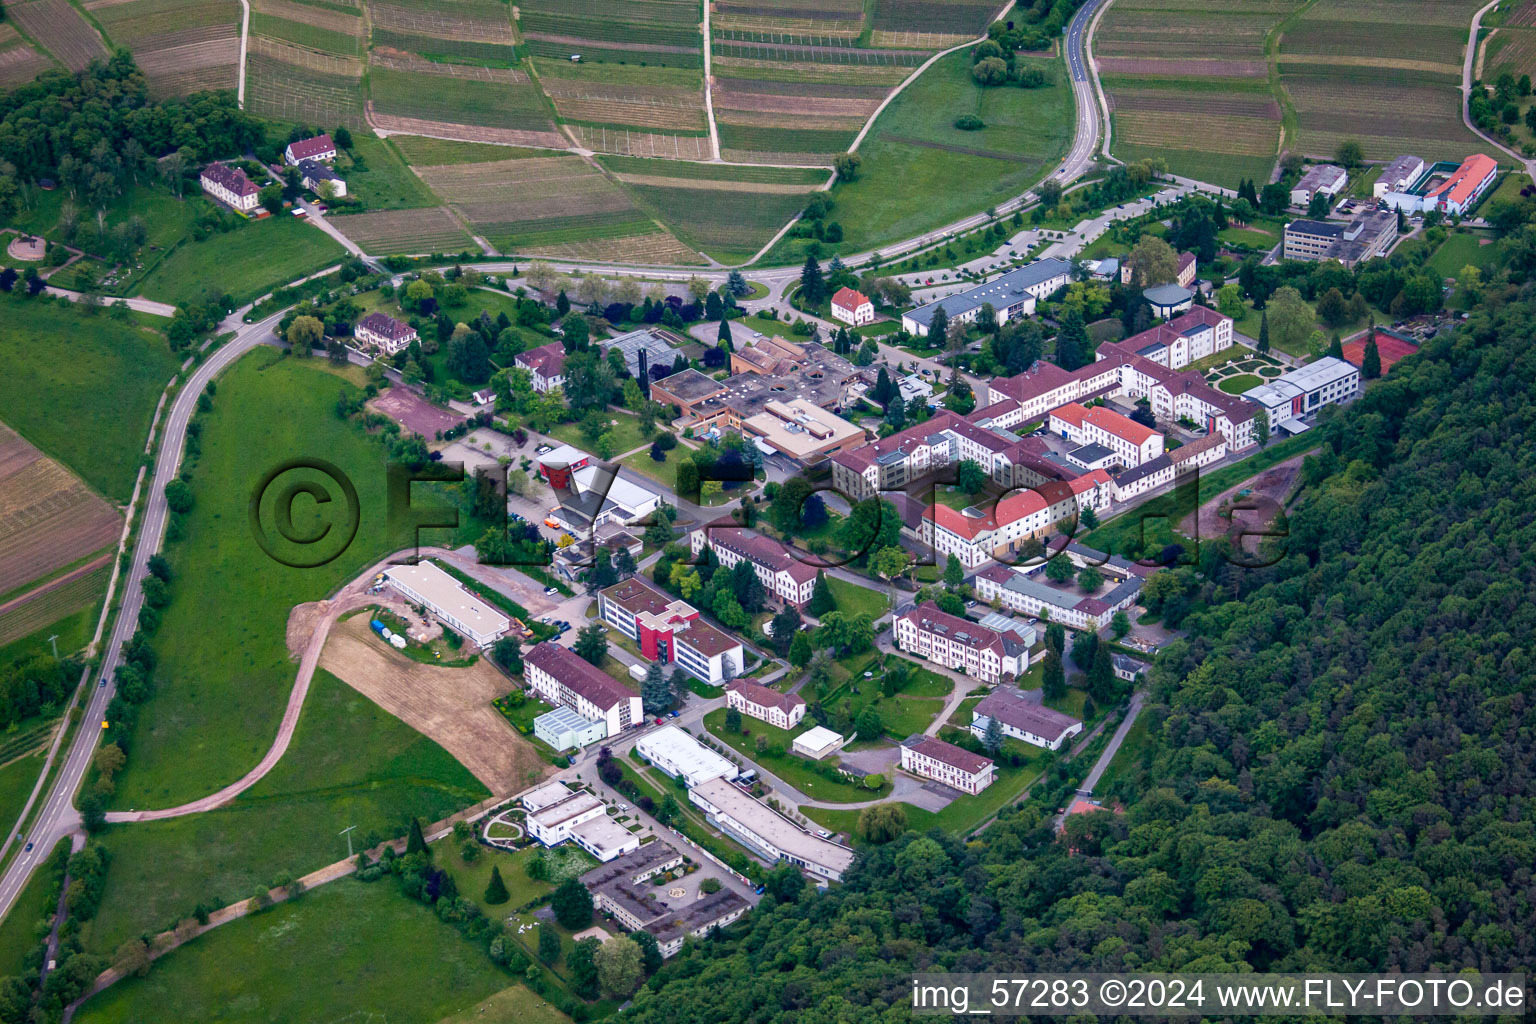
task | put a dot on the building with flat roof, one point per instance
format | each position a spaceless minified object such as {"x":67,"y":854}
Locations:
{"x":802,"y":432}
{"x":657,"y":350}
{"x":687,"y":390}
{"x":818,"y":742}
{"x":446,"y":598}
{"x":677,"y":753}
{"x":595,"y":496}
{"x":1369,"y":234}
{"x":784,"y":710}
{"x":561,"y":676}
{"x":564,"y":729}
{"x":768,"y":833}
{"x":1013,"y":295}
{"x":670,"y":630}
{"x":1306,"y":389}
{"x":1398,"y":175}
{"x":552,"y":822}
{"x":604,"y":838}
{"x":954,"y":766}
{"x":618,"y":889}
{"x":1449,"y":187}
{"x":961,"y":644}
{"x":1023,"y":719}
{"x":545,"y":795}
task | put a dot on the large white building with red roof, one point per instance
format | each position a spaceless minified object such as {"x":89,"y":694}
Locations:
{"x":944,"y":762}
{"x":1132,"y":442}
{"x":852,"y":307}
{"x":669,"y":630}
{"x":961,"y":644}
{"x":782,"y":574}
{"x":545,"y":364}
{"x":1000,"y":528}
{"x":385,"y":333}
{"x":784,"y":710}
{"x":562,"y":677}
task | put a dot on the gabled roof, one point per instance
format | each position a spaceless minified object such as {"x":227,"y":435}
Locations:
{"x":386,"y":326}
{"x":847,"y":298}
{"x":1107,"y":420}
{"x":948,"y":753}
{"x":1463,"y":182}
{"x":232,"y":178}
{"x":1320,"y":176}
{"x":304,"y":149}
{"x":766,"y":697}
{"x":1010,"y":707}
{"x":579,"y":675}
{"x":771,"y":554}
{"x":546,"y":360}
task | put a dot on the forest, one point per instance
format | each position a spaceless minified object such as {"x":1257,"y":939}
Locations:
{"x":1340,"y":772}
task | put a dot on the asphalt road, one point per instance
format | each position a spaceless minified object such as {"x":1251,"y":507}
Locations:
{"x":58,"y":817}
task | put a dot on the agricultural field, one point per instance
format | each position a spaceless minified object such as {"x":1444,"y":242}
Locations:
{"x":628,"y":97}
{"x":49,"y":521}
{"x":795,"y":81}
{"x":535,"y":203}
{"x":510,"y":102}
{"x":1191,"y":86}
{"x":920,"y":171}
{"x":333,"y":955}
{"x":249,"y":261}
{"x":726,"y":212}
{"x":1356,"y":69}
{"x":107,"y":375}
{"x":183,"y":46}
{"x":20,"y":62}
{"x":650,"y":32}
{"x":59,"y":28}
{"x":290,"y":83}
{"x":413,"y":232}
{"x":463,"y":31}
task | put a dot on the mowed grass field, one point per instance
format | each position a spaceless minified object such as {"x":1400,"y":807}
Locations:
{"x":1357,"y":69}
{"x":920,"y":171}
{"x":349,"y":951}
{"x":244,"y":263}
{"x":183,"y":46}
{"x":82,"y":388}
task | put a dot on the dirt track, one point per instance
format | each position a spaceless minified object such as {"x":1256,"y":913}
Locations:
{"x":452,"y":706}
{"x":1269,"y":489}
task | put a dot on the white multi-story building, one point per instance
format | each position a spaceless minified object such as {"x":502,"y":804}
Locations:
{"x":960,"y":644}
{"x":1319,"y":178}
{"x":1023,"y":719}
{"x":768,"y":833}
{"x":976,"y":534}
{"x":1164,"y":469}
{"x":446,"y":598}
{"x":944,"y":762}
{"x":677,"y":753}
{"x":545,"y":365}
{"x":852,"y":307}
{"x":553,"y":812}
{"x":318,"y":147}
{"x":1029,"y":591}
{"x":385,"y":333}
{"x":1011,"y":295}
{"x":1306,"y":389}
{"x":670,"y":630}
{"x":563,"y":677}
{"x":782,"y":574}
{"x":230,"y":186}
{"x":784,"y":710}
{"x":618,"y":888}
{"x":1132,"y":442}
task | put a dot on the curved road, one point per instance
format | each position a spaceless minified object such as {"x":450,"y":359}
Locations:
{"x":59,"y":818}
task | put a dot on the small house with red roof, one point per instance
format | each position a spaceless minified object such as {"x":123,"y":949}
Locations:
{"x":852,"y":307}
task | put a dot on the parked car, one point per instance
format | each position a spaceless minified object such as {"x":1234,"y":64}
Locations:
{"x":671,"y":714}
{"x":541,"y":449}
{"x":551,"y":590}
{"x":824,"y":833}
{"x":659,"y":721}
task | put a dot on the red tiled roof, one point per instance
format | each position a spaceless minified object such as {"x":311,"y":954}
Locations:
{"x":231,"y":178}
{"x":577,"y":673}
{"x":546,"y":360}
{"x":1463,"y":182}
{"x":948,"y":753}
{"x":304,"y":149}
{"x":1105,"y":419}
{"x":1010,"y":707}
{"x":766,"y":697}
{"x":387,"y":326}
{"x":849,"y":299}
{"x":755,"y":547}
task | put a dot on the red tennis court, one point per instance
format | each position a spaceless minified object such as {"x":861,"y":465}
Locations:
{"x":1390,"y":347}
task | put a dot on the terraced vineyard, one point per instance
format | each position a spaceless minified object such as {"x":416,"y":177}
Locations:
{"x":539,"y":203}
{"x":1191,"y":85}
{"x":305,"y":62}
{"x":20,"y":61}
{"x":1357,"y":69}
{"x":183,"y":46}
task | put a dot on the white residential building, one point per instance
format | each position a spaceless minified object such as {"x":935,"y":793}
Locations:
{"x":319,"y":147}
{"x":1011,"y":295}
{"x":960,"y":644}
{"x":677,"y":753}
{"x":1132,"y":442}
{"x":1030,"y":592}
{"x":944,"y":762}
{"x":1023,"y":719}
{"x":1325,"y":179}
{"x":1158,"y":472}
{"x":768,"y":833}
{"x":562,"y":677}
{"x":230,"y":186}
{"x":385,"y":333}
{"x":669,"y":630}
{"x":446,"y":598}
{"x":545,"y":365}
{"x":784,"y":710}
{"x":817,"y":742}
{"x":782,"y":574}
{"x":852,"y":307}
{"x":552,"y":822}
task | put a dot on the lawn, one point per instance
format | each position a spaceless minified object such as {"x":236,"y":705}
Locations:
{"x":625,"y":429}
{"x":919,"y":171}
{"x":225,"y":674}
{"x":962,"y":815}
{"x":791,"y":768}
{"x":911,"y":710}
{"x":1462,"y":249}
{"x":873,"y":600}
{"x":387,"y":183}
{"x":16,"y":781}
{"x":243,"y":263}
{"x":350,"y":763}
{"x":85,"y":397}
{"x":1127,"y":764}
{"x":346,"y":952}
{"x":1240,"y":383}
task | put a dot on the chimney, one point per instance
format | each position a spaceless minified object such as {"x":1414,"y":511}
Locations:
{"x":645,"y":373}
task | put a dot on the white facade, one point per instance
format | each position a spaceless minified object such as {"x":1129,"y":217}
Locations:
{"x":447,"y":599}
{"x":817,"y":743}
{"x":1129,"y":440}
{"x":552,"y":824}
{"x":677,"y":753}
{"x":604,"y":838}
{"x":1320,"y":178}
{"x":1012,"y":295}
{"x":943,"y":762}
{"x":391,"y":337}
{"x":960,"y":644}
{"x":852,"y":307}
{"x":785,"y":711}
{"x":1306,"y":389}
{"x":562,"y":678}
{"x":767,"y":833}
{"x":320,"y":147}
{"x":245,"y":200}
{"x":781,"y":574}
